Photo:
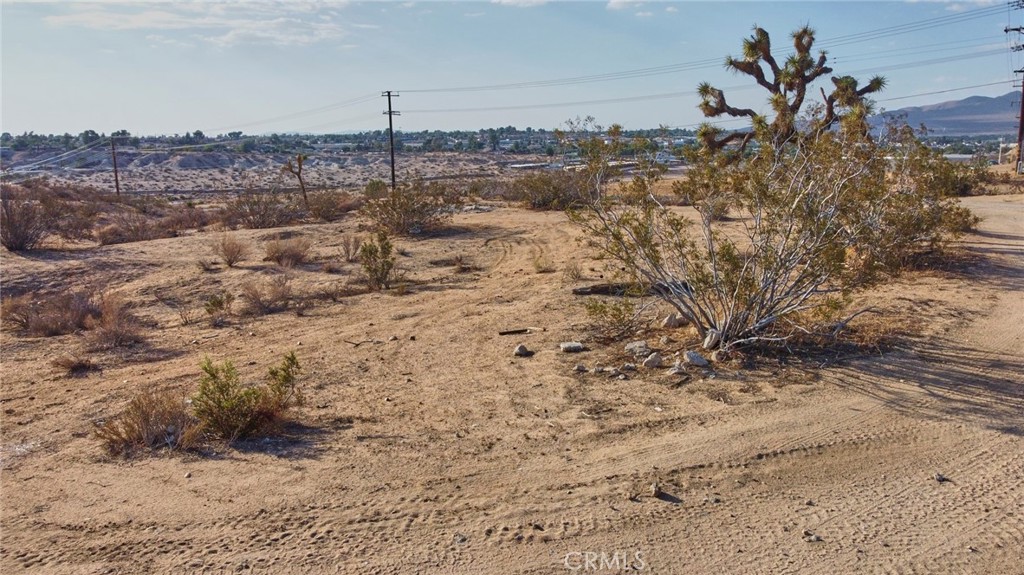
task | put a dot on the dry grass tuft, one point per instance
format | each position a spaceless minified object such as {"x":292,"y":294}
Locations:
{"x":270,"y":296}
{"x":55,"y":314}
{"x":116,"y":325}
{"x":288,"y":253}
{"x":75,"y":365}
{"x":230,"y":250}
{"x":350,"y":247}
{"x":572,"y":272}
{"x":542,"y":264}
{"x":152,"y":420}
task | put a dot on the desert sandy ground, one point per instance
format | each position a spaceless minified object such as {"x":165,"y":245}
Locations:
{"x":429,"y":448}
{"x":178,"y":172}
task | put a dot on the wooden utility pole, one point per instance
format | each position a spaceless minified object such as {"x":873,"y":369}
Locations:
{"x":1020,"y":117}
{"x":1020,"y":126}
{"x":113,"y":156}
{"x":391,"y":133}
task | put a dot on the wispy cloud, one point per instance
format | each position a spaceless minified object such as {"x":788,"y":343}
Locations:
{"x":222,"y":24}
{"x":622,"y":4}
{"x":159,"y":39}
{"x":520,"y":3}
{"x":671,"y":9}
{"x":644,"y":14}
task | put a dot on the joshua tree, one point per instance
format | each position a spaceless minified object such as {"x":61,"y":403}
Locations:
{"x":296,"y":170}
{"x":787,"y":85}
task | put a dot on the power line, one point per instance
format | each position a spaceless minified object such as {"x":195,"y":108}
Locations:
{"x":1003,"y":82}
{"x":66,"y":156}
{"x":913,"y":26}
{"x":716,"y":62}
{"x":668,"y":95}
{"x":294,"y":115}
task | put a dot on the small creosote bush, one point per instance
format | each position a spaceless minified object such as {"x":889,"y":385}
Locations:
{"x":231,"y":410}
{"x":378,"y":261}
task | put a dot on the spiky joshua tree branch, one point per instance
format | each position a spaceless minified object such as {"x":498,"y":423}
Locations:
{"x":787,"y":85}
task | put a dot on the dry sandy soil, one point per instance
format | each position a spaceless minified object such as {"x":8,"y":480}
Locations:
{"x":439,"y":452}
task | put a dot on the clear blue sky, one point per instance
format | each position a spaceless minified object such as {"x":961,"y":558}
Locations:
{"x":258,"y":66}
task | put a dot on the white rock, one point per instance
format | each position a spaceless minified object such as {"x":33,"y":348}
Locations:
{"x":712,"y":339}
{"x":653,"y":361}
{"x":638,"y":348}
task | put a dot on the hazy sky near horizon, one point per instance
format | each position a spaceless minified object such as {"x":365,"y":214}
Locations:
{"x":154,"y":67}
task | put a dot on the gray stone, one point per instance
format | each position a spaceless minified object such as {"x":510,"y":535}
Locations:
{"x":695,"y":359}
{"x":521,"y":351}
{"x":673,"y":321}
{"x":676,"y":370}
{"x":653,"y":361}
{"x":638,"y":348}
{"x":580,"y":368}
{"x":628,"y":367}
{"x":571,"y":346}
{"x":811,"y":537}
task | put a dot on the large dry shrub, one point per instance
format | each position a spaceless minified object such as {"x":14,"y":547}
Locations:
{"x":549,"y":190}
{"x":818,"y":189}
{"x":256,"y":210}
{"x":24,"y":224}
{"x":183,"y":217}
{"x":412,"y":208}
{"x":152,"y":420}
{"x":51,"y":314}
{"x":126,"y":227}
{"x":328,"y":205}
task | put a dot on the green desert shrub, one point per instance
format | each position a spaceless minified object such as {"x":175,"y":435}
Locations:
{"x":412,"y":208}
{"x":231,"y":410}
{"x":549,"y":190}
{"x":378,"y":260}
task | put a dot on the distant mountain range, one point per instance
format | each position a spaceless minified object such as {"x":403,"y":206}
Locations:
{"x":972,"y":116}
